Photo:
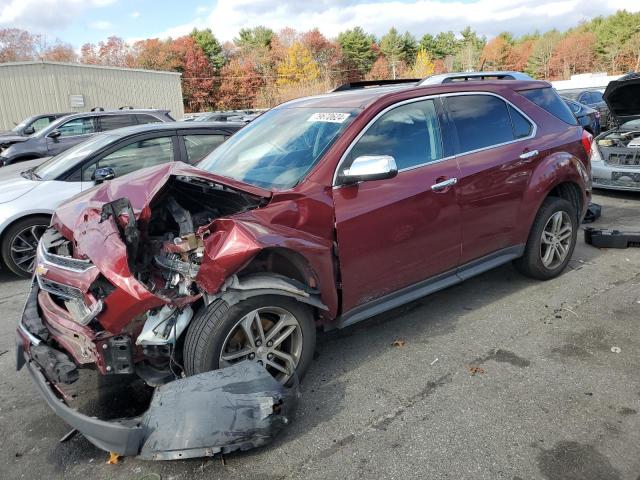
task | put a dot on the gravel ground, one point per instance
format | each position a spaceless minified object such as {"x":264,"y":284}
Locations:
{"x":501,"y":377}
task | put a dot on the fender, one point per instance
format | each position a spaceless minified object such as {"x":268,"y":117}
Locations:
{"x":553,"y":170}
{"x":236,"y":290}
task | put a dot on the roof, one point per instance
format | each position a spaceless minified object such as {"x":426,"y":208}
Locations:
{"x":363,"y":97}
{"x":82,"y":65}
{"x":161,"y":126}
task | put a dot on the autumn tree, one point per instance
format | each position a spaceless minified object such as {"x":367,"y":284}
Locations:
{"x":357,"y":50}
{"x":114,"y":52}
{"x":156,"y":54}
{"x":380,"y":70}
{"x":60,"y":52}
{"x":239,"y":85}
{"x":519,"y":55}
{"x":539,"y":62}
{"x":631,"y":51}
{"x":573,"y":54}
{"x":497,"y":51}
{"x":423,"y":65}
{"x":16,"y":45}
{"x":469,"y":50}
{"x":326,"y":53}
{"x":298,"y":66}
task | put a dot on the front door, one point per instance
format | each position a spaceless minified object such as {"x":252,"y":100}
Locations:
{"x":394,"y":233}
{"x":71,"y":133}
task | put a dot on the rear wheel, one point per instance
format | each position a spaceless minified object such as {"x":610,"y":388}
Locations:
{"x":276,"y":331}
{"x":551,"y":241}
{"x":20,"y":243}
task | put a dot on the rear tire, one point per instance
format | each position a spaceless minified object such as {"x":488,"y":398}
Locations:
{"x":551,"y":241}
{"x":217,"y":332}
{"x":20,"y":243}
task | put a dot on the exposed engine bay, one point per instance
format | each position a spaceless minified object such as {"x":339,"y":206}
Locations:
{"x":620,"y":147}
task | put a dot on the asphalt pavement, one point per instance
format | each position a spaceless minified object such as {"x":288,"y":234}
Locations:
{"x":501,"y":377}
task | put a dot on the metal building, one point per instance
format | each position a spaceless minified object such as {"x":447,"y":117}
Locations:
{"x":30,"y":88}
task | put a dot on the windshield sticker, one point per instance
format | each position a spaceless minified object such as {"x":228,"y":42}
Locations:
{"x":328,"y":117}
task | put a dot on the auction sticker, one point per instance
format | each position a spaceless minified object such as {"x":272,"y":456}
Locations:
{"x":336,"y":117}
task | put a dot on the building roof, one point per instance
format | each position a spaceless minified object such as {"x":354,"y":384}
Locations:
{"x":82,"y":65}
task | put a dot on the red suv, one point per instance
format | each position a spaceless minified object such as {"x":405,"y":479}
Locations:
{"x":322,"y":212}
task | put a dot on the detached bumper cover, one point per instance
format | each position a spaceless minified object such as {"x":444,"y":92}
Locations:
{"x":237,"y":408}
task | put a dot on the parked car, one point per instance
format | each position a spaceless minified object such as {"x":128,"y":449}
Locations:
{"x":70,"y":130}
{"x":323,"y":211}
{"x":615,"y":157}
{"x":591,"y":98}
{"x":27,"y":127}
{"x":588,"y":117}
{"x":29,"y":197}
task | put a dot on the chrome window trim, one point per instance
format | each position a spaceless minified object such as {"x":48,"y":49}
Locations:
{"x":533,"y":133}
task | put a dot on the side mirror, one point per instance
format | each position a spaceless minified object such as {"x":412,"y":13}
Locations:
{"x":55,"y":134}
{"x":102,"y":174}
{"x":369,"y":167}
{"x":29,"y":130}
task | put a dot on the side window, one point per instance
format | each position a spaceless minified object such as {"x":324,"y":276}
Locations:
{"x":547,"y":99}
{"x":111,"y":122}
{"x":595,"y":97}
{"x":198,"y":146}
{"x":522,"y":127}
{"x":77,"y":126}
{"x":134,"y":156}
{"x":409,"y":133}
{"x":40,"y":123}
{"x":147,"y":119}
{"x":481,"y":121}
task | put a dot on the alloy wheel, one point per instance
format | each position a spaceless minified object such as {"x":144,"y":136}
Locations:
{"x":557,"y":236}
{"x":271,"y":336}
{"x":24,"y":246}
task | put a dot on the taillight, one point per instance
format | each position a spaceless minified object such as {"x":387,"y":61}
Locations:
{"x":587,"y":138}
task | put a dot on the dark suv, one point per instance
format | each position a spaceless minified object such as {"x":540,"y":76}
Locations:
{"x":70,"y":130}
{"x":324,"y":211}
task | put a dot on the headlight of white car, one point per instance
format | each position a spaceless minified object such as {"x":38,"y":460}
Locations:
{"x":596,"y":156}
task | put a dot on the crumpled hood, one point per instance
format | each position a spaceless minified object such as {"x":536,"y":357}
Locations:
{"x":623,"y":97}
{"x":139,"y":188}
{"x":14,"y":186}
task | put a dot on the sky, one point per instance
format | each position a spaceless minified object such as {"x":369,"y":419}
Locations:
{"x":81,"y":21}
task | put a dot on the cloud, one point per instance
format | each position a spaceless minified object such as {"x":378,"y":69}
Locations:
{"x":487,"y":17}
{"x":101,"y":25}
{"x":45,"y":14}
{"x":134,"y":14}
{"x":202,"y":9}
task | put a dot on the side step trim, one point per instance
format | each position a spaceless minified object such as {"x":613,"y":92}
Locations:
{"x":429,"y":286}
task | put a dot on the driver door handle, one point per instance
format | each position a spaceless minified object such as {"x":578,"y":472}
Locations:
{"x":440,"y":186}
{"x":529,"y":154}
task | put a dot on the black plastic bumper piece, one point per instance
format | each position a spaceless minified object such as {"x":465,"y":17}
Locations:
{"x":611,"y":238}
{"x":236,"y":408}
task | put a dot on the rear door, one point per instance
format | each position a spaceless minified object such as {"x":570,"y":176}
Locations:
{"x":133,"y":154}
{"x":112,"y":122}
{"x":71,"y":133}
{"x":495,"y":154}
{"x":397,"y":232}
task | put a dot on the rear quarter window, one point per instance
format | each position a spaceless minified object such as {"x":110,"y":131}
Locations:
{"x":481,"y":121}
{"x":548,"y":99}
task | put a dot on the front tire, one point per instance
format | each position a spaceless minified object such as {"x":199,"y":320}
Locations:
{"x":276,"y":331}
{"x":20,"y":243}
{"x":551,"y":241}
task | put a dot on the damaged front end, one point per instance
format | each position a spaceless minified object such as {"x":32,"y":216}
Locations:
{"x":117,"y":283}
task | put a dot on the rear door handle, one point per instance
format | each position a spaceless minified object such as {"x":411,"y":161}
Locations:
{"x":529,"y":154}
{"x":438,"y":187}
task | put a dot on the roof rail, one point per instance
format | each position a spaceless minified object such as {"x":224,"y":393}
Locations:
{"x":97,"y":109}
{"x":473,"y":76}
{"x":126,"y":107}
{"x":374,"y":83}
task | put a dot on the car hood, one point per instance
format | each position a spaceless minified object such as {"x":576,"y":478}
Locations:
{"x":623,"y":97}
{"x":10,"y":138}
{"x":139,"y":189}
{"x":14,"y":186}
{"x":14,"y":169}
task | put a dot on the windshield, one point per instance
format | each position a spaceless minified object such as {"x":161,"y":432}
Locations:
{"x":56,"y":166}
{"x":631,"y":125}
{"x":277,"y":149}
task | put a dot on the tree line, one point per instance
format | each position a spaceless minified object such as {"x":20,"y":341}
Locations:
{"x":261,"y":67}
